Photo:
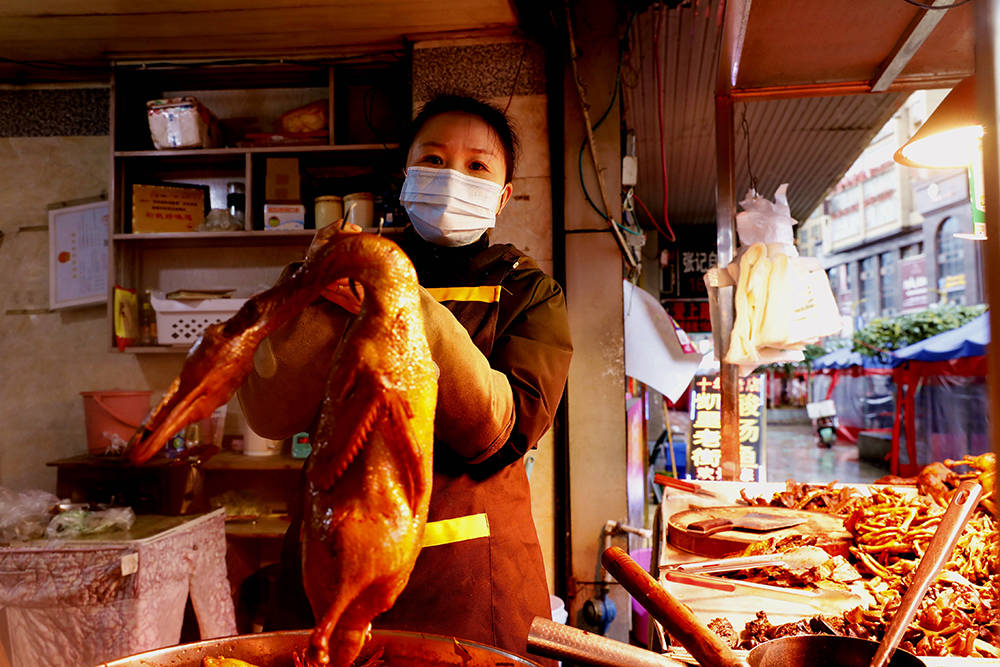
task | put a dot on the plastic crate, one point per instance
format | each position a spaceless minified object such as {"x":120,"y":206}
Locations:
{"x":181,"y":322}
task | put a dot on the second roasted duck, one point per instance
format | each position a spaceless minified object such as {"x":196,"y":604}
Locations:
{"x":369,"y":476}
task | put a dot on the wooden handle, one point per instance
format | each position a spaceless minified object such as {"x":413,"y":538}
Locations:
{"x":710,"y":526}
{"x":706,"y":647}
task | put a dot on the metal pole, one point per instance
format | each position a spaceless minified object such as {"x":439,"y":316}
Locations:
{"x":987,"y":85}
{"x":725,"y":212}
{"x":734,"y":31}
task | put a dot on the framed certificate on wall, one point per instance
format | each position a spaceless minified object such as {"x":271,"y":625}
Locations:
{"x":78,"y":255}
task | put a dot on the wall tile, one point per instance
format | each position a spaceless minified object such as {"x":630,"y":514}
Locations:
{"x":57,"y":112}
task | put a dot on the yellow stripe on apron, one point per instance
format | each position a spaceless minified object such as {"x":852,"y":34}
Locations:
{"x":459,"y":529}
{"x":484,"y":293}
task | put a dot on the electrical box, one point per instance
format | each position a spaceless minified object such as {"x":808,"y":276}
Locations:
{"x":630,"y":170}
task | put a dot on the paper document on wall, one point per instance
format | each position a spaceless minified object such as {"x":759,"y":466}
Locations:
{"x":654,"y":355}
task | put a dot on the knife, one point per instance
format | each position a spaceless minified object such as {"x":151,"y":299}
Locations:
{"x":758,"y":522}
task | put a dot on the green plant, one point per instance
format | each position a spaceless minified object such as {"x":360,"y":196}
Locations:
{"x":885,"y":334}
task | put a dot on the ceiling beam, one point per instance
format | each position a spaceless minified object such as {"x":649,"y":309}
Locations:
{"x":845,"y":87}
{"x":909,"y":43}
{"x":734,"y":30}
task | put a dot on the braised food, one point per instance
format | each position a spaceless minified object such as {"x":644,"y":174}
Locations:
{"x":369,"y":476}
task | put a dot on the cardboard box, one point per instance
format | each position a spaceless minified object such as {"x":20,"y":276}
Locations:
{"x":181,"y":122}
{"x":168,"y":207}
{"x":281,"y":184}
{"x":284,"y":216}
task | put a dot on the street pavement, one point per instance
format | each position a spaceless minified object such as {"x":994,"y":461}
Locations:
{"x":792,"y":454}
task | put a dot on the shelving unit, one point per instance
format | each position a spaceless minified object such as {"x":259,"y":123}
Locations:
{"x":156,"y":487}
{"x":367,"y":107}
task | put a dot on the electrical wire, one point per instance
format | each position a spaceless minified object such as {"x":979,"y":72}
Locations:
{"x":746,"y":136}
{"x":924,"y":5}
{"x":611,"y":103}
{"x":657,"y":71}
{"x":628,"y":212}
{"x":653,"y":219}
{"x":517,"y":73}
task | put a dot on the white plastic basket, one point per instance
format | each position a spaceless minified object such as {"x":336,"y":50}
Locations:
{"x":181,"y":322}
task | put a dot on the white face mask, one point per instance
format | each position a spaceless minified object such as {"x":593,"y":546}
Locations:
{"x":448,"y":207}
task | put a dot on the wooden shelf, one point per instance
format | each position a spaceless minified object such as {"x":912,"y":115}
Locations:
{"x":350,"y":157}
{"x":154,"y":349}
{"x":219,"y":238}
{"x":230,"y":460}
{"x":238,"y":237}
{"x":259,"y":528}
{"x":254,"y":150}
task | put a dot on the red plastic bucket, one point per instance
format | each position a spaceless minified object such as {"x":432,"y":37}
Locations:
{"x":107,"y":414}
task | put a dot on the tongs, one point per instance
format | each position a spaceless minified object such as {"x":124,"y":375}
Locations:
{"x":683,"y":485}
{"x":698,"y":574}
{"x":795,"y":559}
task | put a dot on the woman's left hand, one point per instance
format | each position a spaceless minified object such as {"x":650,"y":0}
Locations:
{"x":343,"y":292}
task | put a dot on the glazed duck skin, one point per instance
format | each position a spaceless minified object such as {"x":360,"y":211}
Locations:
{"x":369,"y":476}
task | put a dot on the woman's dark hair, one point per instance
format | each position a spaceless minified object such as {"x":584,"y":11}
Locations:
{"x":496,"y":119}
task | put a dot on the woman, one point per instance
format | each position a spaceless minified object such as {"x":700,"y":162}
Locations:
{"x":498,"y":331}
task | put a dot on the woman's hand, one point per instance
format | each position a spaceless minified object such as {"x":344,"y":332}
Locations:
{"x":343,"y":292}
{"x":330,"y":231}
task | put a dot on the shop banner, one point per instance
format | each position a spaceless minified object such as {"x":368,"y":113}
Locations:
{"x":705,"y":450}
{"x":913,"y":277}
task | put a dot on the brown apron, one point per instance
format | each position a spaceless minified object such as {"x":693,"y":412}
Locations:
{"x":480,"y":575}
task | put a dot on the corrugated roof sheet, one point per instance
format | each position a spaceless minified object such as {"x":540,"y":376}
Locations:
{"x":806,"y":142}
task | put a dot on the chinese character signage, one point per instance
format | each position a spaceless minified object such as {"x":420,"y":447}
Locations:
{"x":705,"y":449}
{"x":684,"y":264}
{"x":682,"y":289}
{"x":691,"y":316}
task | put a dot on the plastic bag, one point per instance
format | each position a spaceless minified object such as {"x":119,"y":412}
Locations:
{"x":764,"y":221}
{"x":24,"y":514}
{"x":783,"y":301}
{"x":220,"y":220}
{"x":76,"y":522}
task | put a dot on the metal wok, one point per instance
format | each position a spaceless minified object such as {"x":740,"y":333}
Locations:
{"x":274,"y":649}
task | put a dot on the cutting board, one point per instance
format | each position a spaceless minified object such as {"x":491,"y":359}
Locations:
{"x":829,"y":530}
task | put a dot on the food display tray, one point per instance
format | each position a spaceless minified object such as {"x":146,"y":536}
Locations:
{"x":740,"y":608}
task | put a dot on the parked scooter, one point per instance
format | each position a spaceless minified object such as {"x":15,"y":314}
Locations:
{"x":824,"y":418}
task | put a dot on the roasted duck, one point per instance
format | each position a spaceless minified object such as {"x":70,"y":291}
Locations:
{"x":369,"y":476}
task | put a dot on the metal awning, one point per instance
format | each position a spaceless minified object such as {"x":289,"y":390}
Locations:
{"x":798,"y":73}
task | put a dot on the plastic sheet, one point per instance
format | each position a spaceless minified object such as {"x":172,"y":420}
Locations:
{"x":950,"y":416}
{"x":85,"y":602}
{"x":949,"y":410}
{"x":24,"y":514}
{"x":865,"y":398}
{"x":76,"y":522}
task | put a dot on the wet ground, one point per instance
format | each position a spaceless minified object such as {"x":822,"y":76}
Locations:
{"x":792,"y":454}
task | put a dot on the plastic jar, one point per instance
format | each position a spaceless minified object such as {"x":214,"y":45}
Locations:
{"x":360,"y":208}
{"x":328,"y":209}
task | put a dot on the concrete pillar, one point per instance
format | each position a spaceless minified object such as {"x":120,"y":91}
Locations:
{"x":596,"y":391}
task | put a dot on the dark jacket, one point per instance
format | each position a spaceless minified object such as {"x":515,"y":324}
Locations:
{"x":480,"y":575}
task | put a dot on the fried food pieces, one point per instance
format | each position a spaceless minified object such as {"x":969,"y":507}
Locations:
{"x":960,"y":615}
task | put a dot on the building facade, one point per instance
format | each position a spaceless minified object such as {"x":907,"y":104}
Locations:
{"x":886,"y":233}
